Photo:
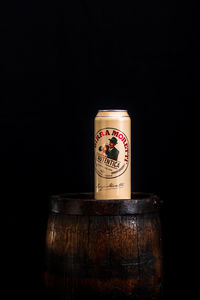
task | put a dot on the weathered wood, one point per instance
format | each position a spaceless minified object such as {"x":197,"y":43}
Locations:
{"x":104,"y":249}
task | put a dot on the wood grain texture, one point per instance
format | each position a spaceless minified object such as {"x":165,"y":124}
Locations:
{"x":104,"y":256}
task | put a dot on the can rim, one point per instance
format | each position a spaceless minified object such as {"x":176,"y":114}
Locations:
{"x":112,"y":110}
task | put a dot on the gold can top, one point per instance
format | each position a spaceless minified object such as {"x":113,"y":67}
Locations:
{"x":112,"y":110}
{"x":112,"y":113}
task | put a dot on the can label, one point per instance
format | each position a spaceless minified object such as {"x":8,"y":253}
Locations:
{"x":111,"y":152}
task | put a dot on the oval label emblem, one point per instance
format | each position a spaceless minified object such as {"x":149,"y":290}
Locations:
{"x":111,"y":152}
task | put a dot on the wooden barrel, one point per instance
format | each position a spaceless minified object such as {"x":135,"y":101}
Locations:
{"x":104,"y":249}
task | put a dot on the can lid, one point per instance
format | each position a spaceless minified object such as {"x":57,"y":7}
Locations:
{"x":112,"y":110}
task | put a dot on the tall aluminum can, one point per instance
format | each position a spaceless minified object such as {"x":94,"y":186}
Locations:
{"x":112,"y":155}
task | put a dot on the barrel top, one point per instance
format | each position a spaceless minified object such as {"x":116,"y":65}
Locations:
{"x":85,"y":204}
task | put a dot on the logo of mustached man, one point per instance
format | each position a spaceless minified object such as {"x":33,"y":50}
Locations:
{"x":109,"y":150}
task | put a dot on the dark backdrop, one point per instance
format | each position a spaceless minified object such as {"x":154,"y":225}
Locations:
{"x":63,"y":62}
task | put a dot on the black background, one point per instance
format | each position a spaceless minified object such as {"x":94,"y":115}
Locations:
{"x":60,"y":64}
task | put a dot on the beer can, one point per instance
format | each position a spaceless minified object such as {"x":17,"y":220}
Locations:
{"x":112,"y":155}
